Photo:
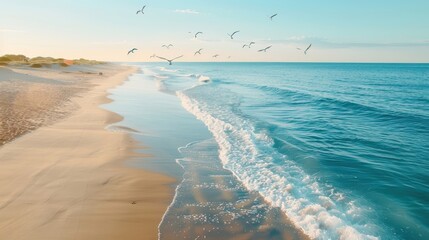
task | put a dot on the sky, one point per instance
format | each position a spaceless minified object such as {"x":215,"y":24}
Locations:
{"x":339,"y":30}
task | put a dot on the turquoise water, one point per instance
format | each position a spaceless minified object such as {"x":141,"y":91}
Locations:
{"x":341,"y":149}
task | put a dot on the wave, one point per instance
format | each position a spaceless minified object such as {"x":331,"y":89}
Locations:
{"x":160,"y":76}
{"x":250,"y":156}
{"x":170,"y":73}
{"x":189,"y":75}
{"x":199,"y":77}
{"x":344,"y":105}
{"x":147,"y":71}
{"x":203,"y":78}
{"x":168,"y":70}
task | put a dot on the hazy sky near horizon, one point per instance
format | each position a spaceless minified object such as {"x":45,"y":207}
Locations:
{"x":340,"y":31}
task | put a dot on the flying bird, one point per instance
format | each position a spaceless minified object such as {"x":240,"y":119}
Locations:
{"x":170,"y":61}
{"x":272,"y":16}
{"x":167,"y":46}
{"x":196,"y":34}
{"x":198,"y":52}
{"x":216,"y":55}
{"x":141,"y":11}
{"x":248,"y":45}
{"x":305,"y":52}
{"x":232,"y":35}
{"x":265,"y":49}
{"x":132,"y":51}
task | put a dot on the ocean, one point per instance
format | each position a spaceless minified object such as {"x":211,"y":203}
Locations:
{"x":274,"y":150}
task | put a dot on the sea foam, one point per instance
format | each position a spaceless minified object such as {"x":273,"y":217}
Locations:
{"x":249,"y":155}
{"x":202,"y":78}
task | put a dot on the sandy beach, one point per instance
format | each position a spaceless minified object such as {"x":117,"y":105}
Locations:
{"x":203,"y":120}
{"x":62,"y":174}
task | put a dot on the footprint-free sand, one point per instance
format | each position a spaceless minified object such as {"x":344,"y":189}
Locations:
{"x":62,"y":174}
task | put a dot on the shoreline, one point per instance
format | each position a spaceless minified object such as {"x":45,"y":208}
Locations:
{"x":68,"y":179}
{"x":209,"y":201}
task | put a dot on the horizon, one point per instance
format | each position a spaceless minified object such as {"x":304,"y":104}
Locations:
{"x":364,"y":32}
{"x":326,"y":62}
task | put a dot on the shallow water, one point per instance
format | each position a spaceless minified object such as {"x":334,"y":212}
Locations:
{"x":341,"y":149}
{"x":210,"y":203}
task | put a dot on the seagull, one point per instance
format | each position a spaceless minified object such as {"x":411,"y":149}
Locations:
{"x":305,"y":52}
{"x":167,"y":46}
{"x":265,"y":49}
{"x":154,"y":55}
{"x":196,"y":34}
{"x":141,"y":11}
{"x":132,"y":51}
{"x":232,"y":35}
{"x":216,"y":55}
{"x":248,"y":45}
{"x":170,"y":61}
{"x":198,"y":52}
{"x":272,"y":16}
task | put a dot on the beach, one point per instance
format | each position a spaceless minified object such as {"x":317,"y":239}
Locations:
{"x":209,"y":201}
{"x":283,"y":150}
{"x":198,"y":120}
{"x":152,"y":151}
{"x":63,"y":174}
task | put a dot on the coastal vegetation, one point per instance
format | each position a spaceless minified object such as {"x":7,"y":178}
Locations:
{"x":39,"y":62}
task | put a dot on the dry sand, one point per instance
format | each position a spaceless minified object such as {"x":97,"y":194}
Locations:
{"x":66,"y":180}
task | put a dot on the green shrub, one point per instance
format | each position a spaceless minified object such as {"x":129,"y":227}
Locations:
{"x":38,"y":62}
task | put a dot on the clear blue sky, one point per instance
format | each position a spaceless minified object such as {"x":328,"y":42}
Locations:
{"x":340,"y":30}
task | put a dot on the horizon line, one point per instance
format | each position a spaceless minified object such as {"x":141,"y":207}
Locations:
{"x":270,"y":62}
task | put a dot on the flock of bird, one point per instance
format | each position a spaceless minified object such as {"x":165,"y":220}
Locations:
{"x":167,"y":46}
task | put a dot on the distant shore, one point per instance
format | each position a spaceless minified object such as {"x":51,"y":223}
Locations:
{"x":62,"y":175}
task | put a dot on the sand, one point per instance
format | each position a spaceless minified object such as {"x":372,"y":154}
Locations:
{"x":64,"y":177}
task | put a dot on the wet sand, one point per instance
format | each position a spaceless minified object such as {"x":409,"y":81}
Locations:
{"x":210,"y":202}
{"x":63,"y":177}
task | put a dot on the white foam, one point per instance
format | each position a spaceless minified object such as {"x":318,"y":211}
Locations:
{"x":250,"y":157}
{"x":147,"y":71}
{"x":190,"y":75}
{"x":176,"y":191}
{"x":168,"y":70}
{"x":199,"y":77}
{"x":203,"y":78}
{"x":160,"y":76}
